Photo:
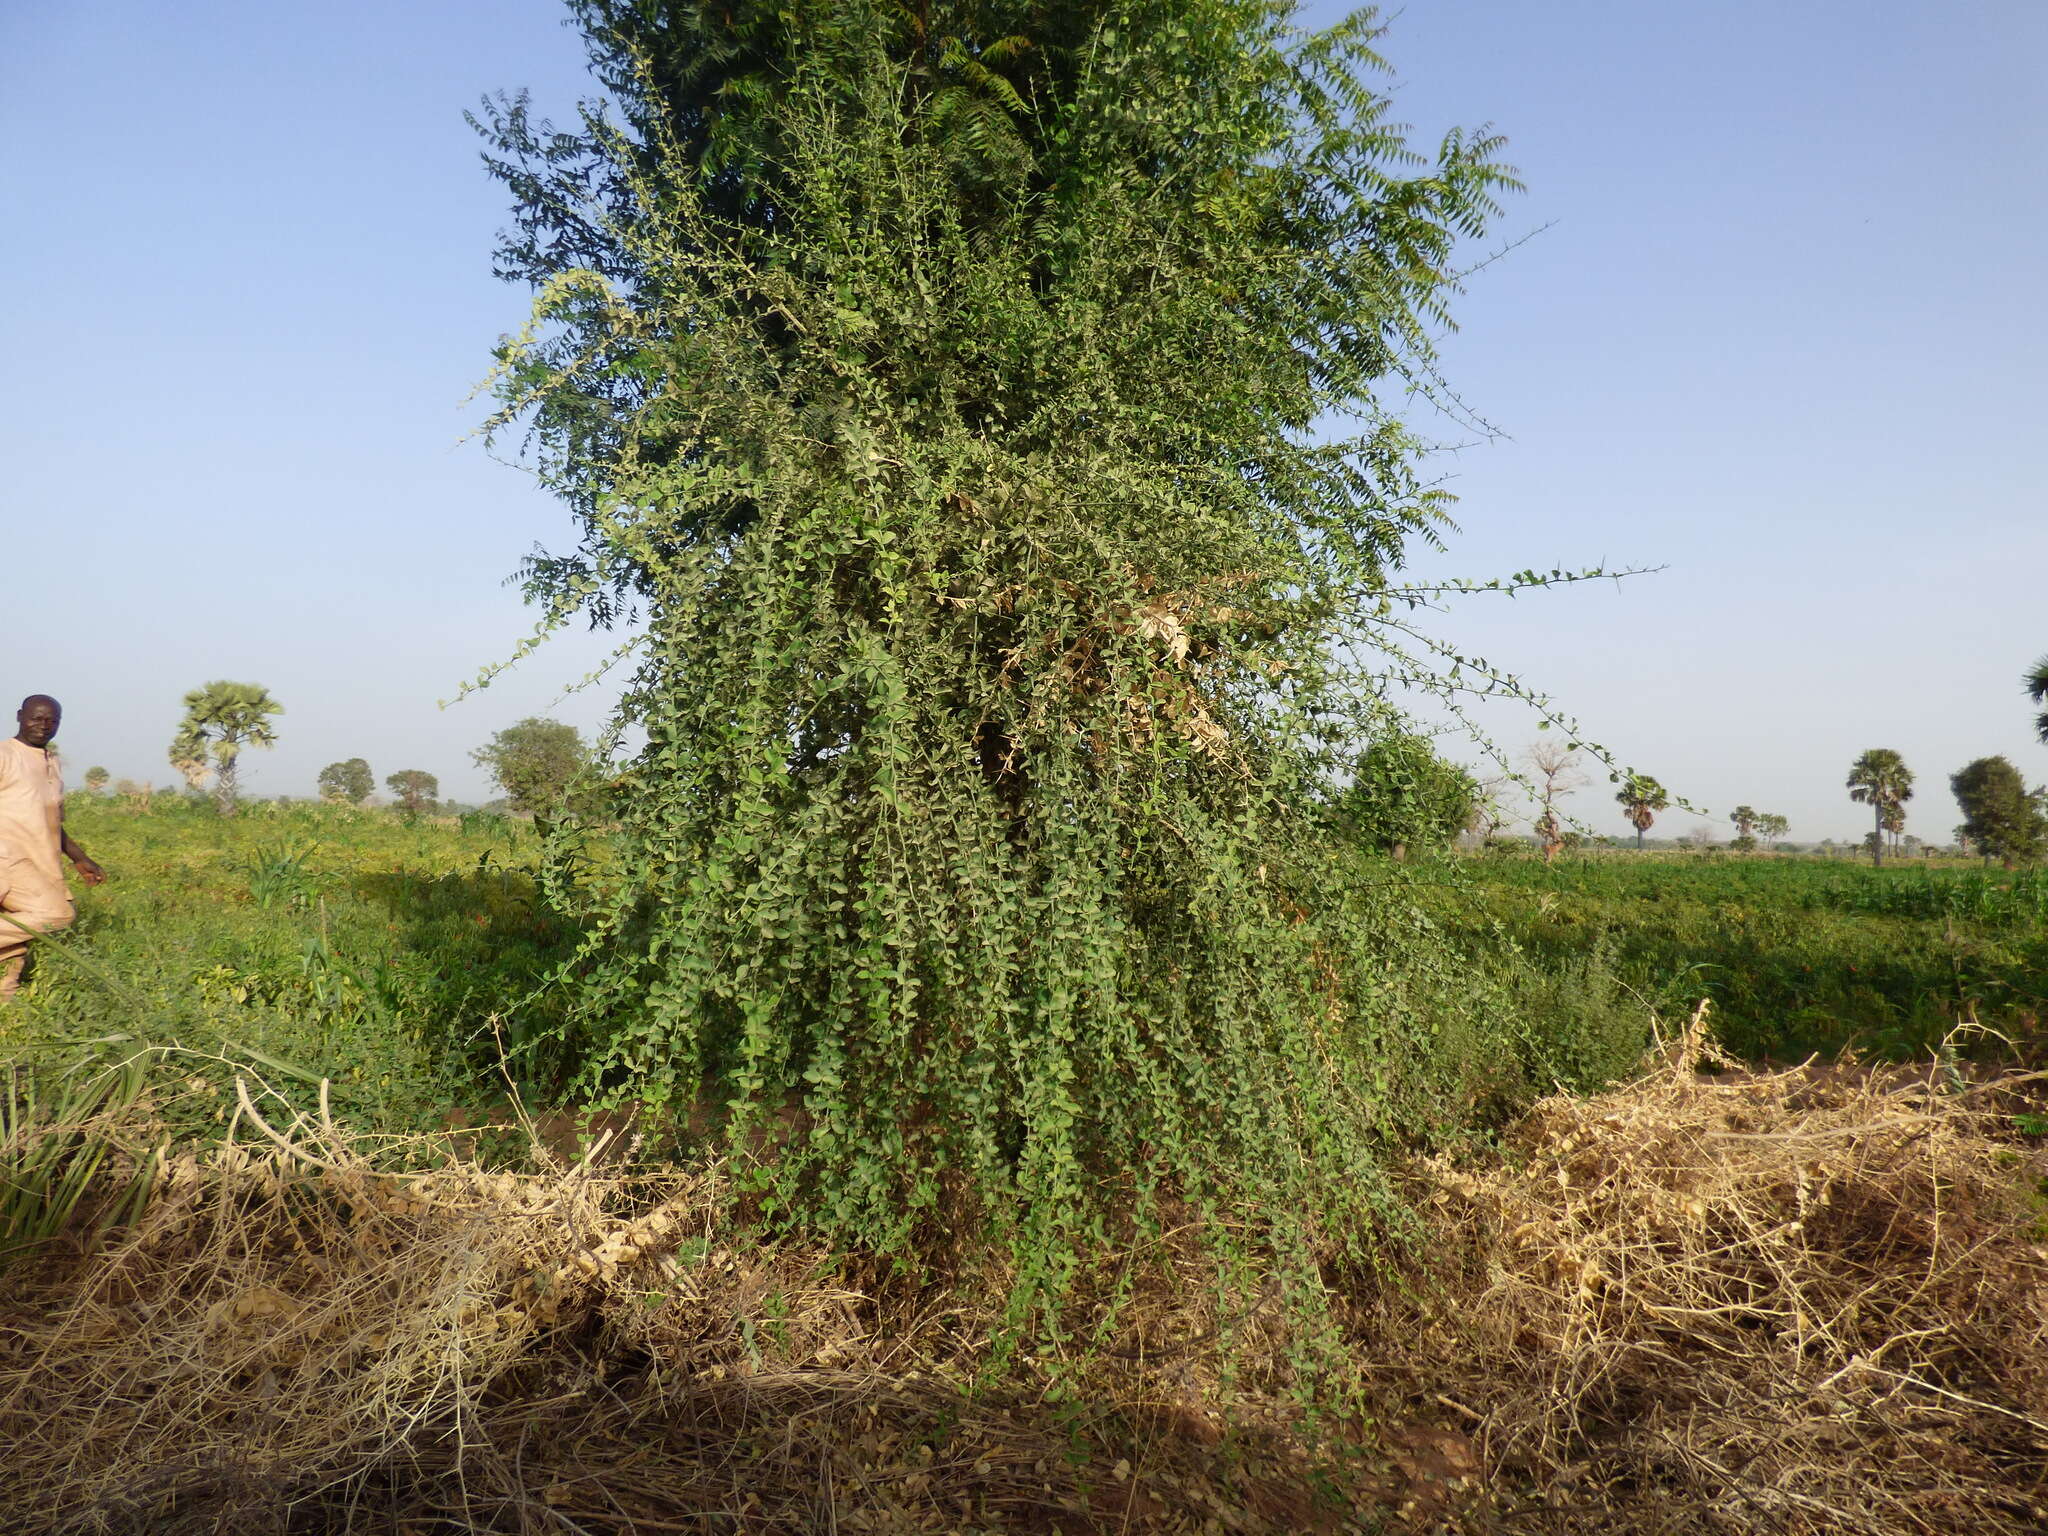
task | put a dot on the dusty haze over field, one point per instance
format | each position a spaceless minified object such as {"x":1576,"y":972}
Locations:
{"x":1781,"y":338}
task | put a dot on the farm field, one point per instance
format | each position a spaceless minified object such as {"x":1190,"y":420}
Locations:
{"x":283,"y":1012}
{"x":307,"y":941}
{"x":404,"y":961}
{"x":961,"y":1008}
{"x":1798,"y":955}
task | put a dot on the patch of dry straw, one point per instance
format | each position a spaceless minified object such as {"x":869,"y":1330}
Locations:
{"x":1803,"y":1301}
{"x":288,"y":1340}
{"x":1795,"y":1302}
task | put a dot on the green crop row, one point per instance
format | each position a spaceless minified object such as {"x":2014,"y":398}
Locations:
{"x":2012,"y":897}
{"x":1796,"y":956}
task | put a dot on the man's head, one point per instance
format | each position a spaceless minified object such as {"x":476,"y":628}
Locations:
{"x":38,"y":717}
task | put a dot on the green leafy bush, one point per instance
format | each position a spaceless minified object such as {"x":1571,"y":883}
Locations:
{"x":1404,"y":797}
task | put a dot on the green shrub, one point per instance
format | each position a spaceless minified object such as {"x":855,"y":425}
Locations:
{"x":1403,"y":797}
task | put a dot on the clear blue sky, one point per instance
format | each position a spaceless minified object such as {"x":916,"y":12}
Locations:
{"x":1783,"y":336}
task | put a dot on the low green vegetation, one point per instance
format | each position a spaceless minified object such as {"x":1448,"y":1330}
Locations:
{"x":1798,"y":955}
{"x":395,"y":957}
{"x":414,"y":963}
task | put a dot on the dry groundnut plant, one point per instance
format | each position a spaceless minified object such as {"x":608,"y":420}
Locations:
{"x":1797,"y":1302}
{"x":1802,"y":1301}
{"x":288,"y":1339}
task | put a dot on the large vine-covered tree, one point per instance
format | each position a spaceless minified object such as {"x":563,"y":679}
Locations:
{"x":986,"y":408}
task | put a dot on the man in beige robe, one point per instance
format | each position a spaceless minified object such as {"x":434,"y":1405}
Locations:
{"x":33,"y":843}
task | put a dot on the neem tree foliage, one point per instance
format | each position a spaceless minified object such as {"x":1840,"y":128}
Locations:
{"x":534,"y":762}
{"x":1403,"y":796}
{"x":946,"y":388}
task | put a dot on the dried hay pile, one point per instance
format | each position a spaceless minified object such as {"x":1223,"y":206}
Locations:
{"x":1808,"y":1301}
{"x":1802,"y":1302}
{"x":287,"y":1340}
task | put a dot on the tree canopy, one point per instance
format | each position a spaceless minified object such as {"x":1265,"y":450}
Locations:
{"x":937,"y":384}
{"x":349,"y":782}
{"x":534,"y":762}
{"x":1404,"y":796}
{"x":2037,"y":690}
{"x":1641,"y":798}
{"x":2001,"y":817}
{"x":220,"y":720}
{"x":1881,"y":780}
{"x":414,"y":789}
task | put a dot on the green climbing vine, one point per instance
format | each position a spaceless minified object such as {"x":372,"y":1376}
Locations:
{"x":984,"y":411}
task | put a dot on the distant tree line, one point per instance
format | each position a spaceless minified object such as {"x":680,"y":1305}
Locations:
{"x":1403,"y":796}
{"x":535,"y":762}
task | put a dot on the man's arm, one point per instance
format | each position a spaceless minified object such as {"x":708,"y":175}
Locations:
{"x":88,"y":871}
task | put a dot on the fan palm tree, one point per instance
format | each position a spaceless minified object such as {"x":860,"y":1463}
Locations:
{"x":1881,"y":780}
{"x":221,"y":719}
{"x":2037,"y":690}
{"x":1641,"y":798}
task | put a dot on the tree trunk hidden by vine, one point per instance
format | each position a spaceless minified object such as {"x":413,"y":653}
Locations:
{"x":936,"y":386}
